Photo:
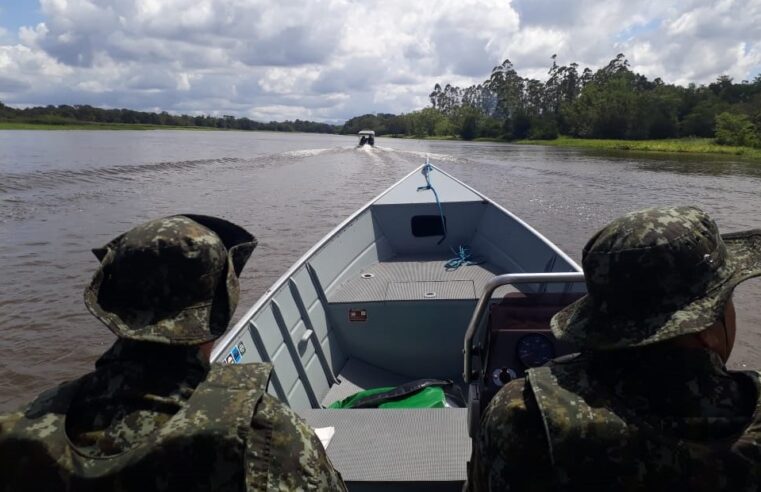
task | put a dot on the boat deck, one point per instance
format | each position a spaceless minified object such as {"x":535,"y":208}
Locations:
{"x":412,"y":279}
{"x":356,"y":376}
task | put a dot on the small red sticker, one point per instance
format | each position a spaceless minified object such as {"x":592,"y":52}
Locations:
{"x":357,"y":315}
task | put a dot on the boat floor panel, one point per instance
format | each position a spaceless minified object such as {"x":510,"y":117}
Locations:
{"x":411,"y":279}
{"x":396,"y":445}
{"x":357,"y":376}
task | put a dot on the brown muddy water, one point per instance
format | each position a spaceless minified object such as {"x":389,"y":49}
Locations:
{"x":63,"y":193}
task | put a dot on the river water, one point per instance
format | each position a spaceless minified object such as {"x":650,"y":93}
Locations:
{"x":65,"y":192}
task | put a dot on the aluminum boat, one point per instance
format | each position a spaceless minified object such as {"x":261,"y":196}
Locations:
{"x":431,"y":279}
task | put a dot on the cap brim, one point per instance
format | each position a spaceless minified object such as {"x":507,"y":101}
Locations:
{"x":587,"y":327}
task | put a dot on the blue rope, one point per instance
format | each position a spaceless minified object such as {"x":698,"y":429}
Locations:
{"x":462,"y":254}
{"x":428,"y":186}
{"x":462,"y":258}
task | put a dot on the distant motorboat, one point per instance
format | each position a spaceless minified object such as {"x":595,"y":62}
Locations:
{"x":366,"y":137}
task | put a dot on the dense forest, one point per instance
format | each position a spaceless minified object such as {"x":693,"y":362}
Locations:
{"x":83,"y":114}
{"x":613,"y":102}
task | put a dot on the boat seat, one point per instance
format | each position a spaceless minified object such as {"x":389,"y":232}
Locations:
{"x":397,"y":449}
{"x":410,"y":278}
{"x":357,"y":375}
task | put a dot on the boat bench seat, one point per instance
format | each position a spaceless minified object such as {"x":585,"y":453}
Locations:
{"x":410,"y":279}
{"x":400,"y":449}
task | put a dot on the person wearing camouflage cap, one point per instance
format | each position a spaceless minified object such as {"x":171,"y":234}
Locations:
{"x":648,"y":403}
{"x":155,"y":414}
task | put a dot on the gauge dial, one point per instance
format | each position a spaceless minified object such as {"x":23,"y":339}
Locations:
{"x":502,"y":376}
{"x":535,"y":350}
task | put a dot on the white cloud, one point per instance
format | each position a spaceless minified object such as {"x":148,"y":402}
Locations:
{"x":333,"y":59}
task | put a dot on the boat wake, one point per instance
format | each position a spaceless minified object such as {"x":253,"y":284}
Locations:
{"x":430,"y":155}
{"x":306,"y":152}
{"x":53,"y":179}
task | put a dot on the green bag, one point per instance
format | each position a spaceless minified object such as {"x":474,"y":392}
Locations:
{"x":423,"y":393}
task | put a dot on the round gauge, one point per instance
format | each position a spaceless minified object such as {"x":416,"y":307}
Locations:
{"x":502,"y":376}
{"x":535,"y":350}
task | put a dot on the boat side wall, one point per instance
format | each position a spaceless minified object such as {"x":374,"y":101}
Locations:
{"x":508,"y":243}
{"x":294,"y":330}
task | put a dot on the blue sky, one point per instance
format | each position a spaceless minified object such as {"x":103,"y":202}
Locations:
{"x":637,"y":30}
{"x":329,"y":60}
{"x":17,"y":13}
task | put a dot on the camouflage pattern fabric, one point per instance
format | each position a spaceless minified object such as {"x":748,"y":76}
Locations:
{"x":653,"y":419}
{"x":170,"y":280}
{"x":656,"y":274}
{"x":156,"y":417}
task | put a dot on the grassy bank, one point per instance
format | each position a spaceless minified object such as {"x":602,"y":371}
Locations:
{"x":679,"y":145}
{"x":12,"y":125}
{"x":417,"y":137}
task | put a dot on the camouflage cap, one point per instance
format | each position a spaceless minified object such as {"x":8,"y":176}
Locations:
{"x":172,"y":280}
{"x":656,"y":274}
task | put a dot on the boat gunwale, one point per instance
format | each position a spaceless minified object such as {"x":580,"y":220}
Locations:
{"x":230,"y":335}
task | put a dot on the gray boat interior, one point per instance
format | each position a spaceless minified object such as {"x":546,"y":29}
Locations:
{"x":373,"y":305}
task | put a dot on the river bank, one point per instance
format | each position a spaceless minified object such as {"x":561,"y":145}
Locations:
{"x":12,"y":125}
{"x":676,"y":145}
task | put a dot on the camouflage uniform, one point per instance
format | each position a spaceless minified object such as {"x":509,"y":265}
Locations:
{"x":631,"y":412}
{"x":154,"y":414}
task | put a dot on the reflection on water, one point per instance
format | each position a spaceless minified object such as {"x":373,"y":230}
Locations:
{"x":62,"y":193}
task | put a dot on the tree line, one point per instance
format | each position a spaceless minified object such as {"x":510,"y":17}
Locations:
{"x":613,"y":102}
{"x":85,"y":114}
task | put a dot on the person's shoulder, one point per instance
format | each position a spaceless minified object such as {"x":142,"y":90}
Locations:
{"x":8,"y":421}
{"x":297,"y":460}
{"x":510,"y":408}
{"x":41,"y":415}
{"x":510,"y":451}
{"x":274,"y":410}
{"x":513,"y":423}
{"x":289,"y":429}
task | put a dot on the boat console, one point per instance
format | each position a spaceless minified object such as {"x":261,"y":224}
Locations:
{"x":506,"y":338}
{"x":519,"y":337}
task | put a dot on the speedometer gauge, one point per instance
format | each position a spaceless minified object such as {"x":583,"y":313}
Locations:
{"x":535,"y":350}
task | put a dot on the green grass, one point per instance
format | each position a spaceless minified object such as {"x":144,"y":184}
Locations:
{"x":678,"y":145}
{"x":418,"y":137}
{"x":12,"y":125}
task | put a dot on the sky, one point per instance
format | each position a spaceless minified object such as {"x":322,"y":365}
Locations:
{"x":330,"y":60}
